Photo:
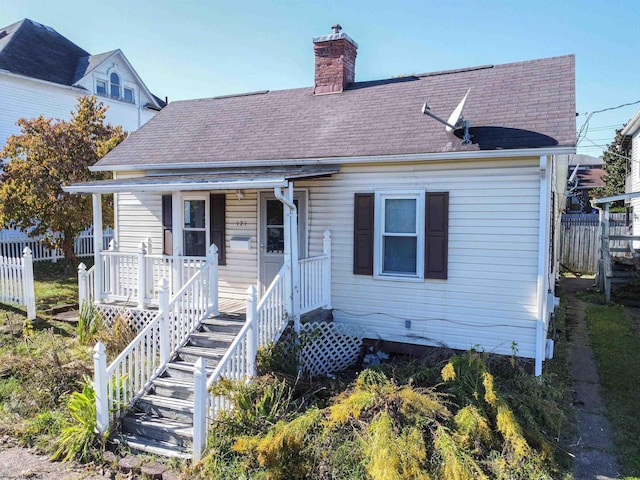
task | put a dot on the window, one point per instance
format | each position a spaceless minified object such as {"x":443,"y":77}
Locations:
{"x":399,"y":234}
{"x":128,"y":95}
{"x":195,"y":228}
{"x":101,"y":87}
{"x":115,"y":85}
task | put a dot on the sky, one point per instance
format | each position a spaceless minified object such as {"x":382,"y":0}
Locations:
{"x":186,"y":49}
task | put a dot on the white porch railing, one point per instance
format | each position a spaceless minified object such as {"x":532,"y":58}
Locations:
{"x":128,"y":276}
{"x":315,"y":279}
{"x":127,"y":377}
{"x":16,"y":281}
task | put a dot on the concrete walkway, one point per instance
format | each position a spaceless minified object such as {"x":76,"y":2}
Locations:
{"x":593,"y":447}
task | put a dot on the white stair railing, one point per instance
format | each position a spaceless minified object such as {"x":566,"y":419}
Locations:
{"x":121,"y":383}
{"x":265,"y":323}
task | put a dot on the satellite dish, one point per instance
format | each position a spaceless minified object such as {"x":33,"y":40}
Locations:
{"x":456,"y":115}
{"x":455,"y":122}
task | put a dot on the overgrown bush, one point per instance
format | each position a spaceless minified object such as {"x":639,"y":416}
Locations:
{"x":89,"y":322}
{"x":78,"y":440}
{"x":471,"y":418}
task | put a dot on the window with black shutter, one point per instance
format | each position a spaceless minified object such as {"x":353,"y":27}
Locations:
{"x":217,"y":225}
{"x":167,"y":224}
{"x":401,"y":234}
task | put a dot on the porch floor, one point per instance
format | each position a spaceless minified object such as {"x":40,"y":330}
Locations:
{"x":228,"y":307}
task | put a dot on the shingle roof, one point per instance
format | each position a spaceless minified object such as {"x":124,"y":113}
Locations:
{"x":518,"y":105}
{"x":38,"y":51}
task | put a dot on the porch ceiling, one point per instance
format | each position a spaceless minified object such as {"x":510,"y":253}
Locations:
{"x":228,"y":180}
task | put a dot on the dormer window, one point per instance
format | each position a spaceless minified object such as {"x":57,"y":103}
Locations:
{"x":101,"y":87}
{"x":115,"y":85}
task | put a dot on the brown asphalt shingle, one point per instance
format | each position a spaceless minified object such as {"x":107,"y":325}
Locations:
{"x":519,"y":105}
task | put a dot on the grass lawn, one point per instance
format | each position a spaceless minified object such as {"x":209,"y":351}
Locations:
{"x":616,"y":343}
{"x":41,"y":362}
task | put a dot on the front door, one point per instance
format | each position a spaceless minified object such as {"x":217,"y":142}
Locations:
{"x":271,"y":234}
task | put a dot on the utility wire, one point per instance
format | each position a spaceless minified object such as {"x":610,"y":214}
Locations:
{"x":584,"y":129}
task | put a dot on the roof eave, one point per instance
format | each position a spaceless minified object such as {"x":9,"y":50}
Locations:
{"x":45,"y":82}
{"x":632,"y":126}
{"x":414,"y":157}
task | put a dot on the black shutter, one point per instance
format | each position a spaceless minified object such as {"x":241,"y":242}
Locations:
{"x":436,"y":235}
{"x":167,"y":224}
{"x":217,"y":225}
{"x":363,"y":234}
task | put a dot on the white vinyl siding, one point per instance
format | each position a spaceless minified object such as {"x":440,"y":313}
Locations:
{"x":489,"y":299}
{"x":635,"y":185}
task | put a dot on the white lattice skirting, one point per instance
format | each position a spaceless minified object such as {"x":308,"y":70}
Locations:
{"x":328,"y":347}
{"x":135,"y":317}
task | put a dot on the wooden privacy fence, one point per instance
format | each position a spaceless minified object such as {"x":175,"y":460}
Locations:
{"x":13,"y":242}
{"x":16,"y":281}
{"x":580,"y":240}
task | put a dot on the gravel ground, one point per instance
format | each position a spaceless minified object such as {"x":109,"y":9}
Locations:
{"x":23,"y":463}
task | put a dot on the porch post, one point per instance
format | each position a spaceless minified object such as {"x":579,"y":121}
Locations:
{"x":326,"y":274}
{"x":97,"y":247}
{"x":100,"y":385}
{"x":176,"y":234}
{"x":142,"y":275}
{"x":295,"y":266}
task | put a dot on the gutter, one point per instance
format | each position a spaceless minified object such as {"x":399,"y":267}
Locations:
{"x":413,"y":157}
{"x":44,"y":82}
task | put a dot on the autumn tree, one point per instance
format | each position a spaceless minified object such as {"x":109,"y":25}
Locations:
{"x":47,"y":154}
{"x":616,"y":167}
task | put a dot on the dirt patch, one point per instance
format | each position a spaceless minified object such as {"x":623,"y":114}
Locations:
{"x":22,"y":463}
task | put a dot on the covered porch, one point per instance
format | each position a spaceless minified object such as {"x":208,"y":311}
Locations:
{"x":196,"y":231}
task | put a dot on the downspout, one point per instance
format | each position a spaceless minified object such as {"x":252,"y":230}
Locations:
{"x":292,"y":254}
{"x":543,"y":261}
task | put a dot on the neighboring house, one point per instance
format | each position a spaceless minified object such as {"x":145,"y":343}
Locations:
{"x":433,"y":242}
{"x":43,"y":73}
{"x":585,"y":174}
{"x":631,"y":134}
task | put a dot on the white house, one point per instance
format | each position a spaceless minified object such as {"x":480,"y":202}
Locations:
{"x":434,"y":240}
{"x":43,"y":73}
{"x":631,"y":132}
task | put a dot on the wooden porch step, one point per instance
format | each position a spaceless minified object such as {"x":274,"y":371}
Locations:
{"x":174,"y":409}
{"x":212,"y":339}
{"x":173,"y":387}
{"x":183,"y":370}
{"x":222,"y":324}
{"x":139,"y":444}
{"x":174,"y":433}
{"x":191,"y":353}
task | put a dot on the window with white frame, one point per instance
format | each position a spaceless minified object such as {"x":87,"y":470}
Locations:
{"x":128,"y":95}
{"x":114,"y":78}
{"x":399,"y":234}
{"x":101,"y":87}
{"x":195,"y":226}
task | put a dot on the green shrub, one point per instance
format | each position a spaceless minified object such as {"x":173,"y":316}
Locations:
{"x":88,"y":323}
{"x":78,"y":439}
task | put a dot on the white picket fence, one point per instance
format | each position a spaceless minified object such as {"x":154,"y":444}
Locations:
{"x":13,"y":242}
{"x":16,"y":281}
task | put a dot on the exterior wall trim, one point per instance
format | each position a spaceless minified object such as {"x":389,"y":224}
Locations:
{"x":415,"y":157}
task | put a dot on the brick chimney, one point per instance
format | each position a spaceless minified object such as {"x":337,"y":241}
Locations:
{"x":335,"y":61}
